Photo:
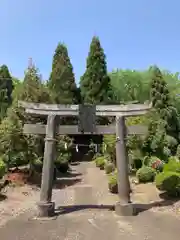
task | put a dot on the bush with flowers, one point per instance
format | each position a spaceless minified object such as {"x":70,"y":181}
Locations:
{"x":156,"y":164}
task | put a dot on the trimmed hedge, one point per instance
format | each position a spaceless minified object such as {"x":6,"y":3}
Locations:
{"x":145,"y":174}
{"x":97,"y":155}
{"x":62,"y":163}
{"x":112,"y":183}
{"x":109,"y":167}
{"x":168,"y":182}
{"x":100,"y":162}
{"x":172,"y":166}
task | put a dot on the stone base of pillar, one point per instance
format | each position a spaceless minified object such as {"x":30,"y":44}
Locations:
{"x":46,"y":209}
{"x":125,"y":209}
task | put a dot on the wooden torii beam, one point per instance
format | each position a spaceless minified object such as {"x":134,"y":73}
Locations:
{"x":46,"y":206}
{"x":73,"y":129}
{"x":73,"y":110}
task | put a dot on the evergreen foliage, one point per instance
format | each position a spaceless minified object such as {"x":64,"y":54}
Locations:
{"x":13,"y":143}
{"x":163,"y":119}
{"x":6,"y":88}
{"x":62,"y":81}
{"x":95,"y":83}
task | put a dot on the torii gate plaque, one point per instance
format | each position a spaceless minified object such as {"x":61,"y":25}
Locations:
{"x":86,"y":126}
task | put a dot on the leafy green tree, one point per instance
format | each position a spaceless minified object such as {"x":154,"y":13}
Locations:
{"x":16,"y":81}
{"x":32,"y":89}
{"x":6,"y":88}
{"x":130,"y":85}
{"x":6,"y":82}
{"x":3,"y":103}
{"x":161,"y":100}
{"x":12,"y":142}
{"x":95,"y":83}
{"x":159,"y":90}
{"x":133,"y":85}
{"x":15,"y":146}
{"x":62,"y":81}
{"x":163,"y":119}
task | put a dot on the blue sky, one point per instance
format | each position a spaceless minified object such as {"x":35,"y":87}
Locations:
{"x":134,"y":34}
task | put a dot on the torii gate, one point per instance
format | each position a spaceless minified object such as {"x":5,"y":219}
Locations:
{"x":87,"y":117}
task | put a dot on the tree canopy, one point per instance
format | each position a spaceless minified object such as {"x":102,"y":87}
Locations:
{"x":62,"y":81}
{"x":96,"y":86}
{"x":95,"y":83}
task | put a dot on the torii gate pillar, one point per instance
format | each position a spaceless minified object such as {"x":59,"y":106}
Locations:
{"x":46,"y":206}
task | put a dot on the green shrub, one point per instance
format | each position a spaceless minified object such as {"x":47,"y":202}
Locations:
{"x":156,"y":163}
{"x":38,"y":162}
{"x":110,"y":142}
{"x":168,"y":182}
{"x":97,"y":155}
{"x":135,"y":159}
{"x":62,"y":164}
{"x":109,"y":167}
{"x":16,"y":159}
{"x":173,"y":165}
{"x":171,"y":141}
{"x":112,"y":183}
{"x":166,"y":153}
{"x":173,"y":158}
{"x":145,"y":174}
{"x":152,"y":159}
{"x":2,"y":168}
{"x":107,"y":157}
{"x":178,"y":151}
{"x":146,"y":161}
{"x":37,"y":165}
{"x":100,"y":162}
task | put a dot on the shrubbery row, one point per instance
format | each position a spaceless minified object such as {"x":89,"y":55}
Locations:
{"x":165,"y":175}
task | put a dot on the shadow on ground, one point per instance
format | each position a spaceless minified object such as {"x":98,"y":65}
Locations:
{"x":69,"y":174}
{"x":62,"y":180}
{"x":75,"y":163}
{"x":166,"y":201}
{"x":138,"y":207}
{"x":67,"y":179}
{"x":74,"y":208}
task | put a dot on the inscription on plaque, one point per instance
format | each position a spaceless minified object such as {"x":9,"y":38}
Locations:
{"x":87,"y":118}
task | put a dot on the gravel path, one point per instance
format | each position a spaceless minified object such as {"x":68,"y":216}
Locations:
{"x":80,"y":216}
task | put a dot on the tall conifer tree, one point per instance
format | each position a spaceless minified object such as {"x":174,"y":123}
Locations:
{"x":6,"y":88}
{"x":95,"y":83}
{"x":62,"y":81}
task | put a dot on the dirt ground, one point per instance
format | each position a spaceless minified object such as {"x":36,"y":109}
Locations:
{"x":16,"y":200}
{"x":154,"y":200}
{"x":147,"y":196}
